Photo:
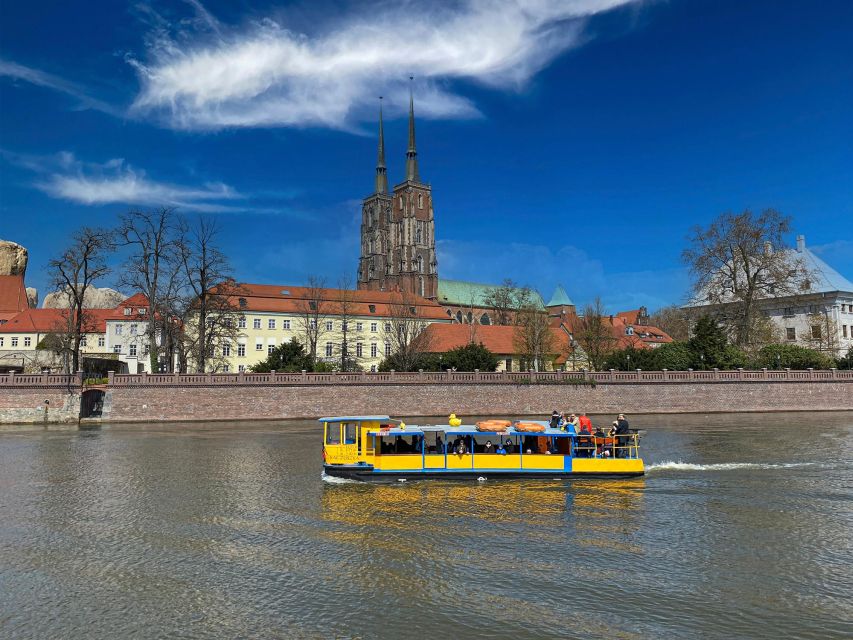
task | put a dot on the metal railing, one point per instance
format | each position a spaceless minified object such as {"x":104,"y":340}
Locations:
{"x":429,"y":377}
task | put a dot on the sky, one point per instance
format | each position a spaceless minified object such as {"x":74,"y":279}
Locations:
{"x":571,"y":142}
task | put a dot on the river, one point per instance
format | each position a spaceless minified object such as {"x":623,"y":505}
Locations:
{"x":740,"y":529}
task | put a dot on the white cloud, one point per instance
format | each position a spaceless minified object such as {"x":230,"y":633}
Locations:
{"x":49,"y":81}
{"x":266,"y":75}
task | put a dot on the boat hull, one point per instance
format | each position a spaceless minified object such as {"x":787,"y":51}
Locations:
{"x":368,"y":474}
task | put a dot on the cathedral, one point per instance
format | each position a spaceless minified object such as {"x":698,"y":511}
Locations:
{"x":398,"y":228}
{"x":398,"y":243}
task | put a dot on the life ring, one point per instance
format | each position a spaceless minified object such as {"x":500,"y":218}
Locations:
{"x":530,"y":427}
{"x":499,"y":426}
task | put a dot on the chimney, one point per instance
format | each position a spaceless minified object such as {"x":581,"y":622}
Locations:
{"x":801,"y":243}
{"x":768,"y":248}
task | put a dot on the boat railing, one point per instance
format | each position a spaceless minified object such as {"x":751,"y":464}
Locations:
{"x":616,"y":446}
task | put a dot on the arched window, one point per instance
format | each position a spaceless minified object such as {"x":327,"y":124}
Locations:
{"x":470,"y":317}
{"x":420,"y":201}
{"x":420,"y":265}
{"x":421,"y":283}
{"x":401,"y":203}
{"x":484,"y":319}
{"x":459,"y":317}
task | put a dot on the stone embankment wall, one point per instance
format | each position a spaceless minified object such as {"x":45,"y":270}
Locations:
{"x":168,"y":398}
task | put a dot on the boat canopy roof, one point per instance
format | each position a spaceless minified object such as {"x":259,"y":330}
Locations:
{"x":355,"y":419}
{"x":470,"y":430}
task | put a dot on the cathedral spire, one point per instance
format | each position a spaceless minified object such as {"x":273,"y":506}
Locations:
{"x":412,"y":154}
{"x":381,"y":170}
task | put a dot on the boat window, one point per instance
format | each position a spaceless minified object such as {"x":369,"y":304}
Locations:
{"x":333,"y":433}
{"x":400,"y":444}
{"x":351,"y":432}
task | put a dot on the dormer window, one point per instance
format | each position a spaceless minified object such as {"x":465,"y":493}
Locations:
{"x":242,"y":302}
{"x":371,"y":308}
{"x":629,"y":331}
{"x":141,"y":311}
{"x":127,"y":311}
{"x":312,"y":305}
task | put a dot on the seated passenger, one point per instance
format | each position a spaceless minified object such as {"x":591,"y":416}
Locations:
{"x":461,"y":448}
{"x":488,"y":448}
{"x":439,"y":445}
{"x":509,"y":446}
{"x":554,"y":423}
{"x":500,"y":450}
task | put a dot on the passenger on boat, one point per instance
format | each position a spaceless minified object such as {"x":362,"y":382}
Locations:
{"x":586,"y":445}
{"x":509,"y":446}
{"x":584,"y":421}
{"x":488,"y":448}
{"x":554,"y":423}
{"x":439,"y":445}
{"x":623,"y":436}
{"x":500,"y":450}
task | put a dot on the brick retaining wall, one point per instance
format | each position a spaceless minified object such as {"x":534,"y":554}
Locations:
{"x":279,"y":402}
{"x":140,"y":398}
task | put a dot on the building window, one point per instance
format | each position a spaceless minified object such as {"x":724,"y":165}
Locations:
{"x":459,"y":317}
{"x":484,"y":319}
{"x":374,"y":350}
{"x":330,"y":347}
{"x":241,"y":368}
{"x":225,"y":368}
{"x":401,"y":202}
{"x":359,"y":350}
{"x":387,"y":348}
{"x":15,"y":342}
{"x":256,"y":323}
{"x":228,"y":322}
{"x":387,"y":326}
{"x":117,"y":348}
{"x":359,"y":326}
{"x":817,"y":334}
{"x":420,"y":201}
{"x":101,"y":341}
{"x":1,"y":342}
{"x":259,"y":346}
{"x":127,"y":311}
{"x":285,"y":324}
{"x":242,"y":303}
{"x":241,"y":322}
{"x":791,"y":333}
{"x":270,"y":349}
{"x":118,"y":329}
{"x":508,"y":364}
{"x":241,"y":350}
{"x":373,"y":327}
{"x":344,"y":326}
{"x":371,"y":308}
{"x":271,"y":323}
{"x":133,"y":329}
{"x":226,"y":350}
{"x":27,"y":342}
{"x":788,"y":312}
{"x":329,"y":325}
{"x":373,"y":368}
{"x":132,"y":351}
{"x":312,"y":323}
{"x":145,"y":351}
{"x":844,"y":330}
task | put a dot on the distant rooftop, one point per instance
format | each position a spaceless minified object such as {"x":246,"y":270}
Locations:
{"x":462,"y":293}
{"x":560,"y":298}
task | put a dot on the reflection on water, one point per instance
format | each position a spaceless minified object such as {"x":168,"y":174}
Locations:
{"x":738,"y":530}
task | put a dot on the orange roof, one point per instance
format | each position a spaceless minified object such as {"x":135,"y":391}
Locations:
{"x":287,"y":299}
{"x":13,"y":294}
{"x":134,"y":302}
{"x":498,"y":339}
{"x":642,"y":336}
{"x":47,"y":320}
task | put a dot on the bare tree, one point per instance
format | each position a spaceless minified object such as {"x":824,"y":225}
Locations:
{"x":533,"y":339}
{"x":211,"y":311}
{"x":594,"y":334}
{"x":81,"y":265}
{"x":346,"y":306}
{"x":674,"y":320}
{"x":151,"y":237}
{"x":314,"y":310}
{"x":405,"y":332}
{"x":736,"y":262}
{"x":823,"y":333}
{"x":503,"y":301}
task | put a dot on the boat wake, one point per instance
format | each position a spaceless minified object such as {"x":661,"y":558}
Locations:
{"x":670,"y":465}
{"x":335,"y":480}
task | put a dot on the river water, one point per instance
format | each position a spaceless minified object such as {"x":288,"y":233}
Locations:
{"x":740,"y":529}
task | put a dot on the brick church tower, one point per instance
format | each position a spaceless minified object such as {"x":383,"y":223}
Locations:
{"x":398,"y":229}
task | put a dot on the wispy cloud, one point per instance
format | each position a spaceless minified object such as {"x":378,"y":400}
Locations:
{"x":65,"y":177}
{"x":264,"y":74}
{"x":39,"y":78}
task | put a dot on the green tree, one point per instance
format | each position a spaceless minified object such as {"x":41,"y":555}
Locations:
{"x":708,"y":344}
{"x":631,"y":358}
{"x":791,"y":356}
{"x":471,"y":356}
{"x":673,"y":356}
{"x":288,"y":356}
{"x":846,"y":362}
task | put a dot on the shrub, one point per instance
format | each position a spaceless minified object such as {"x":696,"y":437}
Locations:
{"x":675,"y":356}
{"x":791,"y":356}
{"x":471,"y":356}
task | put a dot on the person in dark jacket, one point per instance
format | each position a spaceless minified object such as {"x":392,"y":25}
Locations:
{"x":623,"y":436}
{"x":555,"y":419}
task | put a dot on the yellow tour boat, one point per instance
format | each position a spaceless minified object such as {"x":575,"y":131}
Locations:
{"x":381,"y":448}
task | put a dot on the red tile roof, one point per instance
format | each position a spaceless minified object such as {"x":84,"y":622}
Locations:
{"x":287,"y":299}
{"x":498,"y":339}
{"x":643,"y":336}
{"x":13,"y":294}
{"x":47,"y":320}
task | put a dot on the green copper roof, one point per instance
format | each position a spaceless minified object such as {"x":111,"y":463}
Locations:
{"x":560,"y":298}
{"x":459,"y":292}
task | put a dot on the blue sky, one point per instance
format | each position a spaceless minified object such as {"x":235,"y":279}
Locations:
{"x":566,"y":142}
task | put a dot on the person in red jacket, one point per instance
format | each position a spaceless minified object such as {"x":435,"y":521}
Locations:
{"x":585,"y":424}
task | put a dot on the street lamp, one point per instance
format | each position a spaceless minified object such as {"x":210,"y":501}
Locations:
{"x":628,"y":355}
{"x":702,"y":359}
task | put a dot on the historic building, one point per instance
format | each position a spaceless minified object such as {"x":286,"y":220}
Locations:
{"x":398,"y":228}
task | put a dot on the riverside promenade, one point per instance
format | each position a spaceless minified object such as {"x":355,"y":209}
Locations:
{"x":59,"y":398}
